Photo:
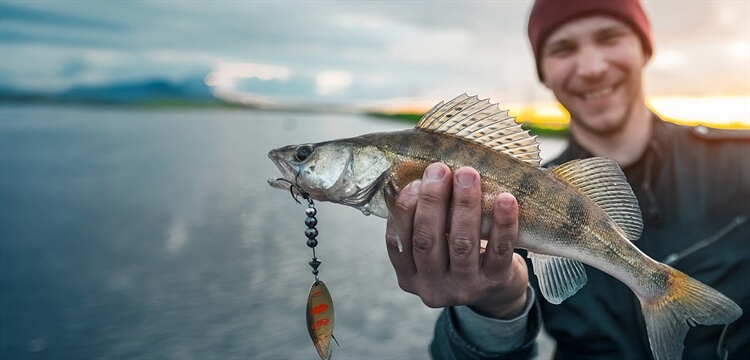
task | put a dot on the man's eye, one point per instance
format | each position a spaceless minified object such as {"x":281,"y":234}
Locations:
{"x":303,"y":152}
{"x":560,"y":50}
{"x":609,"y":39}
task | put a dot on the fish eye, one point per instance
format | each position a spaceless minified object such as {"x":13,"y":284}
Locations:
{"x":303,"y":152}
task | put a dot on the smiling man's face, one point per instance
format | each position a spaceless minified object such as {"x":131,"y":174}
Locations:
{"x":594,"y":67}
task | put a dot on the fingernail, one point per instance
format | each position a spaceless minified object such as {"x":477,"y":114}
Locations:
{"x":414,"y":187}
{"x":434,"y":172}
{"x":466,"y":178}
{"x":506,"y":202}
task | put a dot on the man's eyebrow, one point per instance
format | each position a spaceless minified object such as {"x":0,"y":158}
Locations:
{"x":619,"y":28}
{"x":566,"y":41}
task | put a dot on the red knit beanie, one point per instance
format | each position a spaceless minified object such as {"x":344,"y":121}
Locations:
{"x":547,"y":15}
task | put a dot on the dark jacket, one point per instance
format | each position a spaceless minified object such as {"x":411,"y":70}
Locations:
{"x":693,"y":187}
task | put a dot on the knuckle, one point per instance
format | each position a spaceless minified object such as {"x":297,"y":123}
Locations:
{"x":405,"y":285}
{"x":501,"y":249}
{"x":433,"y":302}
{"x":503,"y":224}
{"x":430,"y":200}
{"x":465,"y":204}
{"x":431,"y":295}
{"x":402,"y":205}
{"x":430,"y":303}
{"x":422,"y":240}
{"x":462,"y":245}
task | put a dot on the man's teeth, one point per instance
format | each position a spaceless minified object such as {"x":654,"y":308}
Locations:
{"x":597,"y":94}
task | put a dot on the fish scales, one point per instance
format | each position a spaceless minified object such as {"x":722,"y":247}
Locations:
{"x":413,"y":150}
{"x":579,"y":212}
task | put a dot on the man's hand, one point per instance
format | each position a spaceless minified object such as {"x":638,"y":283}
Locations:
{"x":450,"y":273}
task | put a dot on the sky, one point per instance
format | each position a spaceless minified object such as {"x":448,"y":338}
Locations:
{"x":347,"y":52}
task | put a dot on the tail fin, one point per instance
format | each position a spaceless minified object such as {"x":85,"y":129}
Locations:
{"x":687,"y":302}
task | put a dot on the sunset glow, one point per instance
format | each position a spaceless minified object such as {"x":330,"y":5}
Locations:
{"x":716,"y":111}
{"x":730,"y":112}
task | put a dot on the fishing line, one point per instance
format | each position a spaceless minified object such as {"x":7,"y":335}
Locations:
{"x":319,"y":303}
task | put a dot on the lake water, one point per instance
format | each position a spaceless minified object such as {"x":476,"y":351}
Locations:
{"x":153,"y":234}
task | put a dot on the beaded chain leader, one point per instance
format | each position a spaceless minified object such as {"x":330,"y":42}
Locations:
{"x":319,"y":303}
{"x":311,"y":232}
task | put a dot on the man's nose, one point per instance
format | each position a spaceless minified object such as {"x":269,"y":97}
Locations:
{"x":591,"y":62}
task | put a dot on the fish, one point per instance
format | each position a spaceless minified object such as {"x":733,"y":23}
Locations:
{"x":579,"y":212}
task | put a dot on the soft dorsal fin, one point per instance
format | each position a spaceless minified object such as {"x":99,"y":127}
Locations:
{"x":602,"y":180}
{"x":481,"y":122}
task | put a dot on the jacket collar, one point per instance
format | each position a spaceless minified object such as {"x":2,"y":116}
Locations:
{"x":659,"y":139}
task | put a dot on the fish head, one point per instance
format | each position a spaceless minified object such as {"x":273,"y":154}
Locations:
{"x":338,"y":171}
{"x":318,"y":169}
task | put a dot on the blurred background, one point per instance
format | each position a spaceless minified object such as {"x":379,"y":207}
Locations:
{"x":135,"y":218}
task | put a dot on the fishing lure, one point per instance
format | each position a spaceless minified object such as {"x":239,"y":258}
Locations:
{"x":319,"y":311}
{"x":320,"y":318}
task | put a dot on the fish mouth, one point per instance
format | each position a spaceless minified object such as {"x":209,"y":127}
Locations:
{"x":279,"y":183}
{"x":288,"y":175}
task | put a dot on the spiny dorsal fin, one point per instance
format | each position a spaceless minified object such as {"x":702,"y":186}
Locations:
{"x":603,"y":181}
{"x":481,"y":122}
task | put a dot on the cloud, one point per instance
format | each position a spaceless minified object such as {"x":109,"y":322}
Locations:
{"x":388,"y":49}
{"x":28,"y":15}
{"x":331,"y":82}
{"x":227,"y":75}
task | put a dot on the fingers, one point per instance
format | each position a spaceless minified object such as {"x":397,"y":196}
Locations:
{"x":465,"y":223}
{"x":444,"y":274}
{"x":428,"y":232}
{"x":399,"y":229}
{"x":503,"y":234}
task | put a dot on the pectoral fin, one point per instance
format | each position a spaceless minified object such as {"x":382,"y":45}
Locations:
{"x":389,"y":194}
{"x":559,"y":278}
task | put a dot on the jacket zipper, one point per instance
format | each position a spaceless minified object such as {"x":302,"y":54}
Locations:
{"x":673,"y":258}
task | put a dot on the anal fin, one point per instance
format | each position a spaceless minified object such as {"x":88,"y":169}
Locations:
{"x":559,"y":278}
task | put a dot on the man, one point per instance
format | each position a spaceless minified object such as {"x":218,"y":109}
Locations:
{"x":692,"y":184}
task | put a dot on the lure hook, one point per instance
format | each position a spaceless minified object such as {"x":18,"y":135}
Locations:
{"x":292,"y":186}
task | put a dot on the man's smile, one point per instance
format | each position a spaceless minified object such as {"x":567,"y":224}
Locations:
{"x":597,"y":94}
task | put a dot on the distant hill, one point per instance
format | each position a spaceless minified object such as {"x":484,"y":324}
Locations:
{"x":153,"y":92}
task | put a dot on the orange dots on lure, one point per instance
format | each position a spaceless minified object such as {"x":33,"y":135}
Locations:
{"x":320,"y":318}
